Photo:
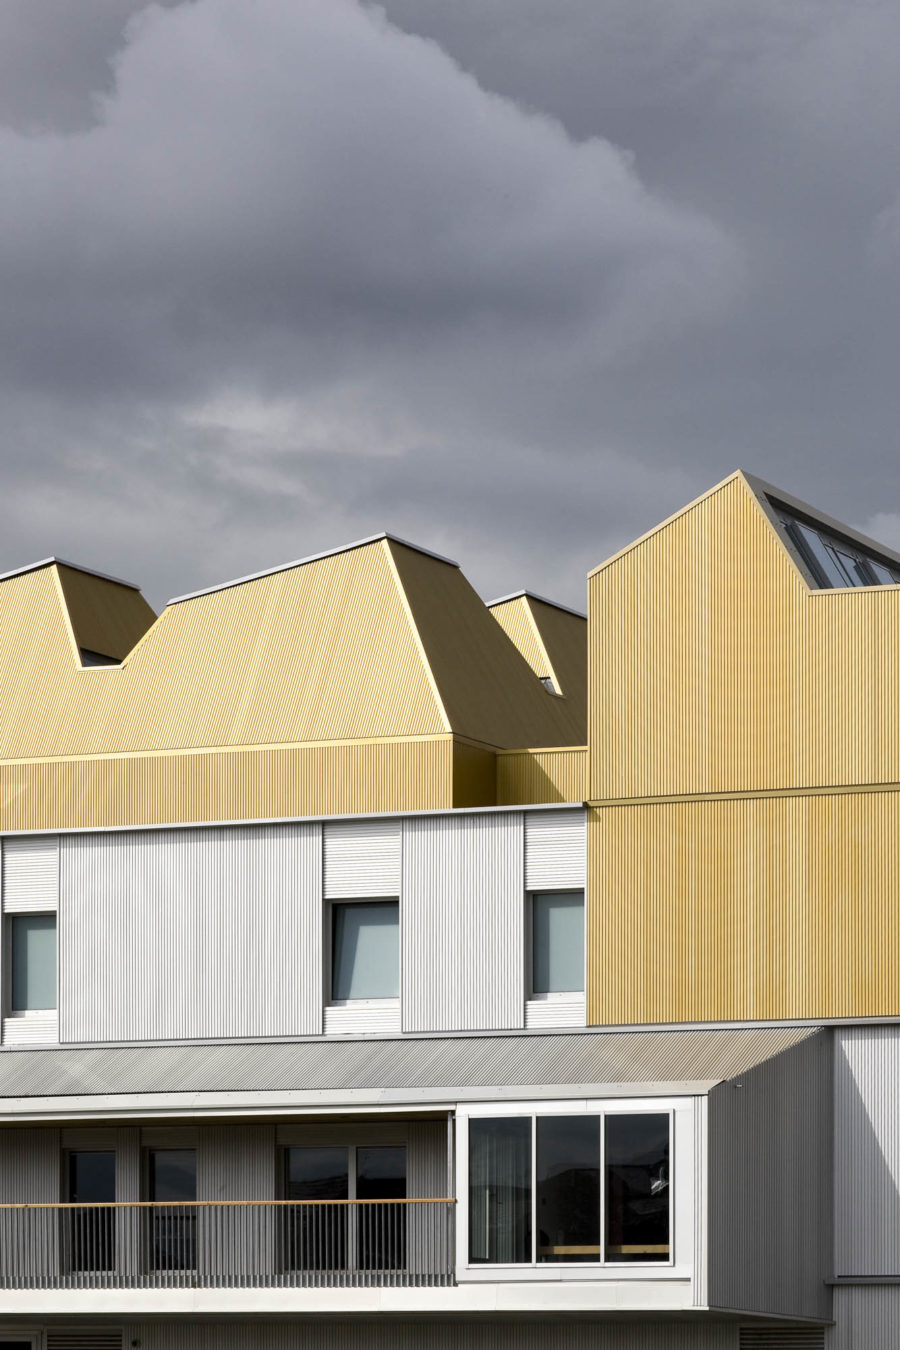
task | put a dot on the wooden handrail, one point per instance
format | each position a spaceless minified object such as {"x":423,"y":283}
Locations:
{"x":209,"y":1204}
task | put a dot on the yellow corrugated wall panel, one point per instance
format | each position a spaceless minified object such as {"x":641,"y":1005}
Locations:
{"x":228,"y":785}
{"x":532,"y":776}
{"x":713,"y":667}
{"x":749,"y":908}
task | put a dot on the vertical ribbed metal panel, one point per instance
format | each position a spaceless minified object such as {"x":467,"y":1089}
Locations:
{"x":746,"y":909}
{"x":361,"y":859}
{"x":866,"y":1317}
{"x":770,"y":1185}
{"x":236,"y":1162}
{"x":525,"y":776}
{"x":867,"y":1151}
{"x":426,"y":1163}
{"x":191,"y":934}
{"x":371,"y":1334}
{"x":555,"y":850}
{"x":228,"y":785}
{"x":30,"y":879}
{"x":29,"y":1165}
{"x":462,"y":923}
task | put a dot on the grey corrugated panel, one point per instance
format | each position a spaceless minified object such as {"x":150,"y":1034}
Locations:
{"x":770,"y":1185}
{"x":866,"y":1318}
{"x":30,"y":878}
{"x":462,"y":939}
{"x":29,"y":1166}
{"x":441,"y":1064}
{"x":236,"y":1162}
{"x":361,"y":858}
{"x":867,"y":1151}
{"x":533,"y":1334}
{"x":555,"y":850}
{"x":193,"y":934}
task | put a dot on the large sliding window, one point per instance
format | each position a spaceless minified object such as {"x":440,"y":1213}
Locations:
{"x":341,"y":1234}
{"x":588,"y":1188}
{"x":91,"y":1227}
{"x":172,"y":1183}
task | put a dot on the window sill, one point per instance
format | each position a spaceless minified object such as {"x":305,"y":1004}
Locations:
{"x":363,"y":1017}
{"x":31,"y":1028}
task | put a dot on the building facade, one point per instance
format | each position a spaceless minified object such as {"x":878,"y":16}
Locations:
{"x":381,"y":967}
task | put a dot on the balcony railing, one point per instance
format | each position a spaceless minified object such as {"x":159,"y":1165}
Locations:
{"x":227,"y":1244}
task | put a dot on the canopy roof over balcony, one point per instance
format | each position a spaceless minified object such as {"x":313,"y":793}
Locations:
{"x":341,"y":1074}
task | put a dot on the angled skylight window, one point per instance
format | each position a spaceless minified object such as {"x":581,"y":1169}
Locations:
{"x":835,"y":562}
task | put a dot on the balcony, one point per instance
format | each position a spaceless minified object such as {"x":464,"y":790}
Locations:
{"x":252,"y":1244}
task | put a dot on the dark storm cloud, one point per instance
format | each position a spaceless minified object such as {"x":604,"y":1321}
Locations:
{"x":280,"y":275}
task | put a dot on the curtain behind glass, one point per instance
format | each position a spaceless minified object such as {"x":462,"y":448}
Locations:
{"x":500,"y":1190}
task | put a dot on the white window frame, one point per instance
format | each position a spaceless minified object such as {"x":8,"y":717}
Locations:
{"x":342,"y":1013}
{"x":682,"y":1192}
{"x":559,"y":995}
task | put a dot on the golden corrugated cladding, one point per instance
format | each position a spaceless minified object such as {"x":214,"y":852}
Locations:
{"x":762,"y":907}
{"x":717,"y":673}
{"x":525,"y":776}
{"x":355,"y":674}
{"x":553,"y":641}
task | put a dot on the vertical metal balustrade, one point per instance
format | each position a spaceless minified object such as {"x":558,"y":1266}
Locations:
{"x":228,"y":1244}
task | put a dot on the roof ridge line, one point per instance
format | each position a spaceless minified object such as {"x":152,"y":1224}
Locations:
{"x":53,"y":561}
{"x":533,"y":595}
{"x":310,"y":558}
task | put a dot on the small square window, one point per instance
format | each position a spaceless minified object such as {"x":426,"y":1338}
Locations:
{"x":365,"y":950}
{"x":33,"y":962}
{"x":557,"y":942}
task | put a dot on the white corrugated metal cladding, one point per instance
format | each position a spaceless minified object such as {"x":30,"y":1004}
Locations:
{"x":219,"y":932}
{"x":867,"y":1152}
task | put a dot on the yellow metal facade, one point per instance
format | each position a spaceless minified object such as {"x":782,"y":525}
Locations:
{"x":744,"y":771}
{"x":525,"y":776}
{"x":370,"y":680}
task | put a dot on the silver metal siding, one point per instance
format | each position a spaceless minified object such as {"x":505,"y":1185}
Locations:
{"x":236,"y":1162}
{"x":191,"y":934}
{"x":770,"y":1185}
{"x":29,"y":1166}
{"x":867,"y":1150}
{"x":30,"y":873}
{"x":462,"y":923}
{"x":361,"y":859}
{"x":866,"y":1317}
{"x":555,"y":850}
{"x":436,"y":1335}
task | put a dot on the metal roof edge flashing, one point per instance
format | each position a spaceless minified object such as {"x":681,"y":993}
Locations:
{"x":75,"y":567}
{"x":311,"y":558}
{"x":533,"y":595}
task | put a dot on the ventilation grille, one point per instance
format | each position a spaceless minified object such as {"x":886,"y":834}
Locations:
{"x":778,"y":1338}
{"x":85,"y":1339}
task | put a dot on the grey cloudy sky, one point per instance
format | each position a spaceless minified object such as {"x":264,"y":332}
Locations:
{"x":512,"y":278}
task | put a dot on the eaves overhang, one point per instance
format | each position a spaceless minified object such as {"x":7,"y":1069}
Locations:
{"x":351,"y":1074}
